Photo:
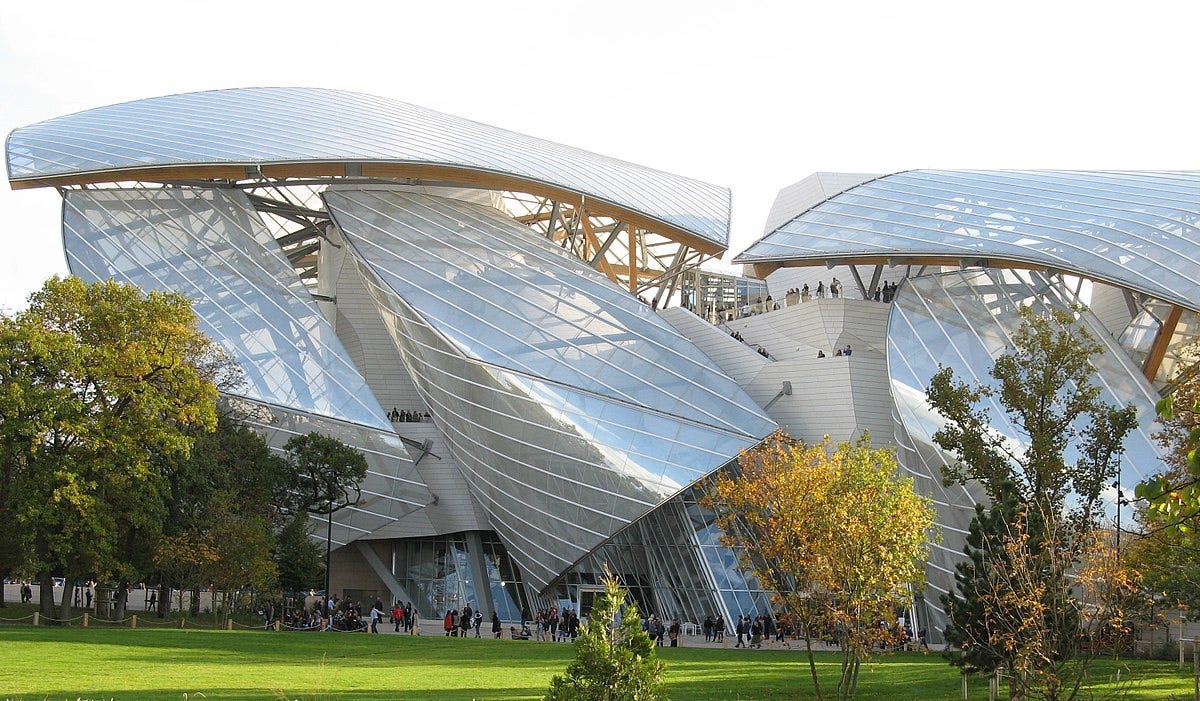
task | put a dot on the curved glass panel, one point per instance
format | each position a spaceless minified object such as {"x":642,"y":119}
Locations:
{"x":210,"y":245}
{"x":558,"y":467}
{"x":1136,"y":230}
{"x":505,"y":296}
{"x":964,"y":320}
{"x":391,"y":489}
{"x":261,"y":126}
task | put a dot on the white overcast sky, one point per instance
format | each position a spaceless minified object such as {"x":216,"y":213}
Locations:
{"x":752,"y":96}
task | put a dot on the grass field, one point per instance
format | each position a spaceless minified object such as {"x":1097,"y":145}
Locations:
{"x":126,"y":665}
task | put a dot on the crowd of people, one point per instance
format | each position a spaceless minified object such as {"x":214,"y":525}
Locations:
{"x":397,"y":416}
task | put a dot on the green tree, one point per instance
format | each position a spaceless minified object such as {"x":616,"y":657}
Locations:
{"x":614,"y":658}
{"x":1048,"y":505}
{"x":839,"y":537}
{"x":300,"y":562}
{"x":1171,"y":499}
{"x":327,"y":473}
{"x":96,"y":380}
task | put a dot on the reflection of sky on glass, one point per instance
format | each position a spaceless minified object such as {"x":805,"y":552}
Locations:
{"x":965,"y":319}
{"x":211,"y":246}
{"x":1138,"y":230}
{"x":507,"y":297}
{"x":244,"y":126}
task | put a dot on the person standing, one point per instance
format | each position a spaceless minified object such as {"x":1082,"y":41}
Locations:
{"x":397,"y":616}
{"x":740,"y":630}
{"x":495,"y":625}
{"x":478,"y":622}
{"x":673,"y":632}
{"x":376,"y":614}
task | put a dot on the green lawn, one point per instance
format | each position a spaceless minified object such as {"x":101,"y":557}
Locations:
{"x":74,"y":663}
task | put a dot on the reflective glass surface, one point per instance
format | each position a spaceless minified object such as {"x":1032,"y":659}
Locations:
{"x":558,"y":467}
{"x":210,"y":245}
{"x":505,"y":296}
{"x":288,"y":125}
{"x":391,"y":488}
{"x":674,"y":565}
{"x":964,"y":320}
{"x":1134,"y":229}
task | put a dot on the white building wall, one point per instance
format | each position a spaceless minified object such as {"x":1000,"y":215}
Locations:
{"x":359,"y":325}
{"x":836,"y":396}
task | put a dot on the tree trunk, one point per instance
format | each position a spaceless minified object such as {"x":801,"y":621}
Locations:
{"x":812,"y":663}
{"x":68,"y":591}
{"x":194,"y":604}
{"x":164,"y":598}
{"x":119,"y":604}
{"x":46,"y":594}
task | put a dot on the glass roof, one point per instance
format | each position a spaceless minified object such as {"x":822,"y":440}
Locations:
{"x":1134,"y":229}
{"x":505,"y":296}
{"x":261,"y":126}
{"x":210,"y":245}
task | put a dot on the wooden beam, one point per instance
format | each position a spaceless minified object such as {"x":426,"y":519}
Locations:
{"x":594,"y":243}
{"x":633,"y":275}
{"x":405,"y":171}
{"x":1162,"y":342}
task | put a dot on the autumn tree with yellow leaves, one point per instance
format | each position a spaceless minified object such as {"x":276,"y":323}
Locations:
{"x":838,"y":535}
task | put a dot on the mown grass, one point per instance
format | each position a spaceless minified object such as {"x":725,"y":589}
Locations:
{"x":38,"y":664}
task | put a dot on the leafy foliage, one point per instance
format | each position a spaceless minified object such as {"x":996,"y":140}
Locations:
{"x":96,"y":383}
{"x":615,"y":659}
{"x":835,"y":533}
{"x":1016,"y":609}
{"x":327,"y":471}
{"x":1172,"y":498}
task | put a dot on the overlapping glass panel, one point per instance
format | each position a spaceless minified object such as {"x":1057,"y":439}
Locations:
{"x":263,"y":126}
{"x":391,"y":488}
{"x":505,"y":296}
{"x":1134,"y":229}
{"x":964,"y":320}
{"x":559,"y":467}
{"x":210,"y":245}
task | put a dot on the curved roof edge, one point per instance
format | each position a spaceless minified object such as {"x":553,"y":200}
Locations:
{"x":1138,"y":230}
{"x":311,"y":132}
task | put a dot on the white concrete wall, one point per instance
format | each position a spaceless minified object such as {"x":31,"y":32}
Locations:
{"x":836,"y":396}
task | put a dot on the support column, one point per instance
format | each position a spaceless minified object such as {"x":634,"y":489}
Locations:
{"x":385,"y":575}
{"x":633,"y":279}
{"x":483,"y":585}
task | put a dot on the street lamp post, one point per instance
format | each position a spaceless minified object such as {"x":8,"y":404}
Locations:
{"x":328,"y":551}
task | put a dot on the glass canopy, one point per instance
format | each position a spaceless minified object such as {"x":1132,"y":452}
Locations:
{"x":256,"y":127}
{"x":1137,"y":230}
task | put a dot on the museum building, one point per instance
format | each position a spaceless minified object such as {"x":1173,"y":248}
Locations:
{"x":521,"y":338}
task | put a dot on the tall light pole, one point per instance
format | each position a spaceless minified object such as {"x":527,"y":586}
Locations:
{"x":328,"y":551}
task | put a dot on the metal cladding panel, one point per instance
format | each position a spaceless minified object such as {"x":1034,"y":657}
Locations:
{"x":559,"y":467}
{"x":261,"y":126}
{"x":210,"y":245}
{"x":1138,"y":230}
{"x":964,"y":320}
{"x":506,"y":296}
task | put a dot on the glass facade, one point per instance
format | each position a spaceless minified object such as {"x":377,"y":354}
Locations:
{"x":1138,"y":230}
{"x":674,"y":565}
{"x":964,"y":320}
{"x":437,"y":571}
{"x":211,"y":246}
{"x":556,"y":391}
